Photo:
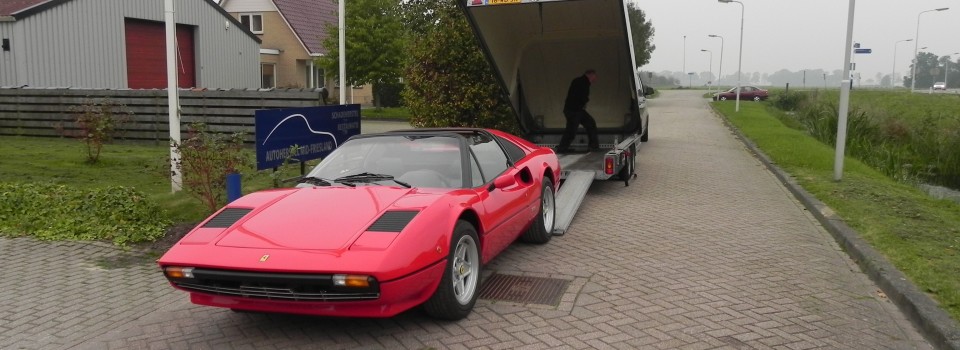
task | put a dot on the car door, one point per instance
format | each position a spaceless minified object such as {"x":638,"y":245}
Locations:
{"x":748,"y":93}
{"x":506,"y":207}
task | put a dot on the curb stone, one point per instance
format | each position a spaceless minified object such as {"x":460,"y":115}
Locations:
{"x":932,"y":321}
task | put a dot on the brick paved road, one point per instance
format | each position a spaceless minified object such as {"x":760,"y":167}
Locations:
{"x":705,"y":250}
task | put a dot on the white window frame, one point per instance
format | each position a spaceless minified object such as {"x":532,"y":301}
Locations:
{"x":250,"y":20}
{"x":274,"y":75}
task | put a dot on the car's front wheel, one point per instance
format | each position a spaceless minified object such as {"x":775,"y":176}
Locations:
{"x":458,"y":289}
{"x":756,"y":98}
{"x":541,"y":229}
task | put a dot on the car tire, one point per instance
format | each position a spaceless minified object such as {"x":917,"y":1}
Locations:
{"x":457,"y":293}
{"x":757,"y":98}
{"x":646,"y":131}
{"x":541,"y":229}
{"x":723,"y":98}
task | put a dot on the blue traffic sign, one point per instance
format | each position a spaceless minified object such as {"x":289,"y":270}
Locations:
{"x":862,"y":50}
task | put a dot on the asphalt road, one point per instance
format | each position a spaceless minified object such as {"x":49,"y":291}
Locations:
{"x":705,"y":250}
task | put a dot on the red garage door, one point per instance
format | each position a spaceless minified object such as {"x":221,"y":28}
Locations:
{"x":147,"y":59}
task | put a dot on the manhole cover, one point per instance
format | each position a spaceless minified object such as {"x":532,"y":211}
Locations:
{"x":526,"y":290}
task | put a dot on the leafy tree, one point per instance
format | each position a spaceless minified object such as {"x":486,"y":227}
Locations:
{"x":642,"y":31}
{"x":929,"y":70}
{"x":449,"y":81}
{"x":375,"y":43}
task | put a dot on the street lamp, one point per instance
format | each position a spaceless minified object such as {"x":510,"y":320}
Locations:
{"x":893,"y":73}
{"x":916,"y":42}
{"x":720,"y":69}
{"x":946,"y":69}
{"x":711,"y":62}
{"x":740,"y":59}
{"x":685,"y":60}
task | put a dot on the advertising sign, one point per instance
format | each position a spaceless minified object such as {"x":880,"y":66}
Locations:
{"x":316,"y":131}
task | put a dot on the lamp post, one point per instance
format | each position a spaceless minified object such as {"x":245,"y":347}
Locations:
{"x":946,"y":70}
{"x":719,"y":69}
{"x":711,"y":63}
{"x":916,"y":43}
{"x":685,"y":60}
{"x":740,"y":59}
{"x":893,"y":73}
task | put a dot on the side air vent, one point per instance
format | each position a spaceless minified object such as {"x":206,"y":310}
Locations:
{"x":227,"y":217}
{"x":393,"y":221}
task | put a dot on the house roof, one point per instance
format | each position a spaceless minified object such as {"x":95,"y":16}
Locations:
{"x":309,"y":20}
{"x":12,"y":7}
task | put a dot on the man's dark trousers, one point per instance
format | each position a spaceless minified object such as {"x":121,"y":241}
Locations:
{"x":574,"y":120}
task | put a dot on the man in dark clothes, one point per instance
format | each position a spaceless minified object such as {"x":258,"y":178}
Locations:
{"x":574,"y":109}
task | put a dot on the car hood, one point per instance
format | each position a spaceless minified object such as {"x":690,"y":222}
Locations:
{"x":313,"y":218}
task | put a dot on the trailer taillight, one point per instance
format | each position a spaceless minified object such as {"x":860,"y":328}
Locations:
{"x":608,"y":165}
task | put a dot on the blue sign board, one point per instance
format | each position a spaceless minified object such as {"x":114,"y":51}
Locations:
{"x":316,"y":131}
{"x":862,"y":50}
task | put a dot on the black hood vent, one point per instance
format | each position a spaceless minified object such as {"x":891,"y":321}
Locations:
{"x":227,"y":217}
{"x":393,"y":221}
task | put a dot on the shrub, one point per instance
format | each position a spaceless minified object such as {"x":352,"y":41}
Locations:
{"x":205,"y":160}
{"x":98,"y":122}
{"x":789,"y":101}
{"x":57,"y":212}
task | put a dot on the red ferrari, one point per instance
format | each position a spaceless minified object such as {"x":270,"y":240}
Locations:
{"x":385,"y":223}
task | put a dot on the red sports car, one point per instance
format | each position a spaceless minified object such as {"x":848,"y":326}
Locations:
{"x":385,"y":223}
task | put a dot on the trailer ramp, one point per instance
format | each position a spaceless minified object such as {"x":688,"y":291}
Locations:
{"x":569,"y":197}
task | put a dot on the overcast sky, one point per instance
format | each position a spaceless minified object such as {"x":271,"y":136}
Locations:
{"x":797,"y":34}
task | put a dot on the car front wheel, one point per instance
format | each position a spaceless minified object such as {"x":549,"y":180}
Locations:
{"x":541,"y":229}
{"x":457,"y":292}
{"x":756,"y":98}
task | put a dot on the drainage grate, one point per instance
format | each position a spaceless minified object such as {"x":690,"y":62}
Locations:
{"x":526,"y":290}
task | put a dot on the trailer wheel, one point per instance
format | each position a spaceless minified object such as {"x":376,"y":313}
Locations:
{"x":628,"y":170}
{"x":541,"y":229}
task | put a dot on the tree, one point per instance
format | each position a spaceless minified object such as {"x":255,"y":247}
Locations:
{"x":375,"y":43}
{"x":929,"y":70}
{"x":449,"y":81}
{"x":642,"y":31}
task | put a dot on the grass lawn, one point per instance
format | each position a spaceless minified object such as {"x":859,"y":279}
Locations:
{"x":918,"y":234}
{"x":144,"y":167}
{"x":399,"y":113}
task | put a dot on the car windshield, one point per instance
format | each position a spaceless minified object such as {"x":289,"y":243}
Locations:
{"x":417,"y":160}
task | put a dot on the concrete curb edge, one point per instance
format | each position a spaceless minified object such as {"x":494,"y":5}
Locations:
{"x":933,"y":322}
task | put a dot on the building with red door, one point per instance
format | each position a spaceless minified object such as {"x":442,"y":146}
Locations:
{"x":121,"y":45}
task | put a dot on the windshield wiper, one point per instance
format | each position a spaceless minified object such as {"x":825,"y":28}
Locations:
{"x":369,"y":177}
{"x":316,"y":181}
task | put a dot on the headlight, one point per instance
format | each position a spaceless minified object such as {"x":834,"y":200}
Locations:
{"x":178,"y":272}
{"x":356,"y":281}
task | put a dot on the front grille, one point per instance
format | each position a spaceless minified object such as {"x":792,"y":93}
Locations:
{"x":274,"y":286}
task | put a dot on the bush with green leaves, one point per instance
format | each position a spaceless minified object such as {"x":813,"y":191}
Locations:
{"x":789,"y":101}
{"x":98,"y":122}
{"x":56,"y":212}
{"x":205,"y":159}
{"x":449,"y":82}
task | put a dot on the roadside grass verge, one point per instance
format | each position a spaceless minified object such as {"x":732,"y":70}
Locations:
{"x":918,"y":234}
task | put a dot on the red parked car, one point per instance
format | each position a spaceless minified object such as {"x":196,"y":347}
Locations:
{"x":385,"y":223}
{"x":748,"y":93}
